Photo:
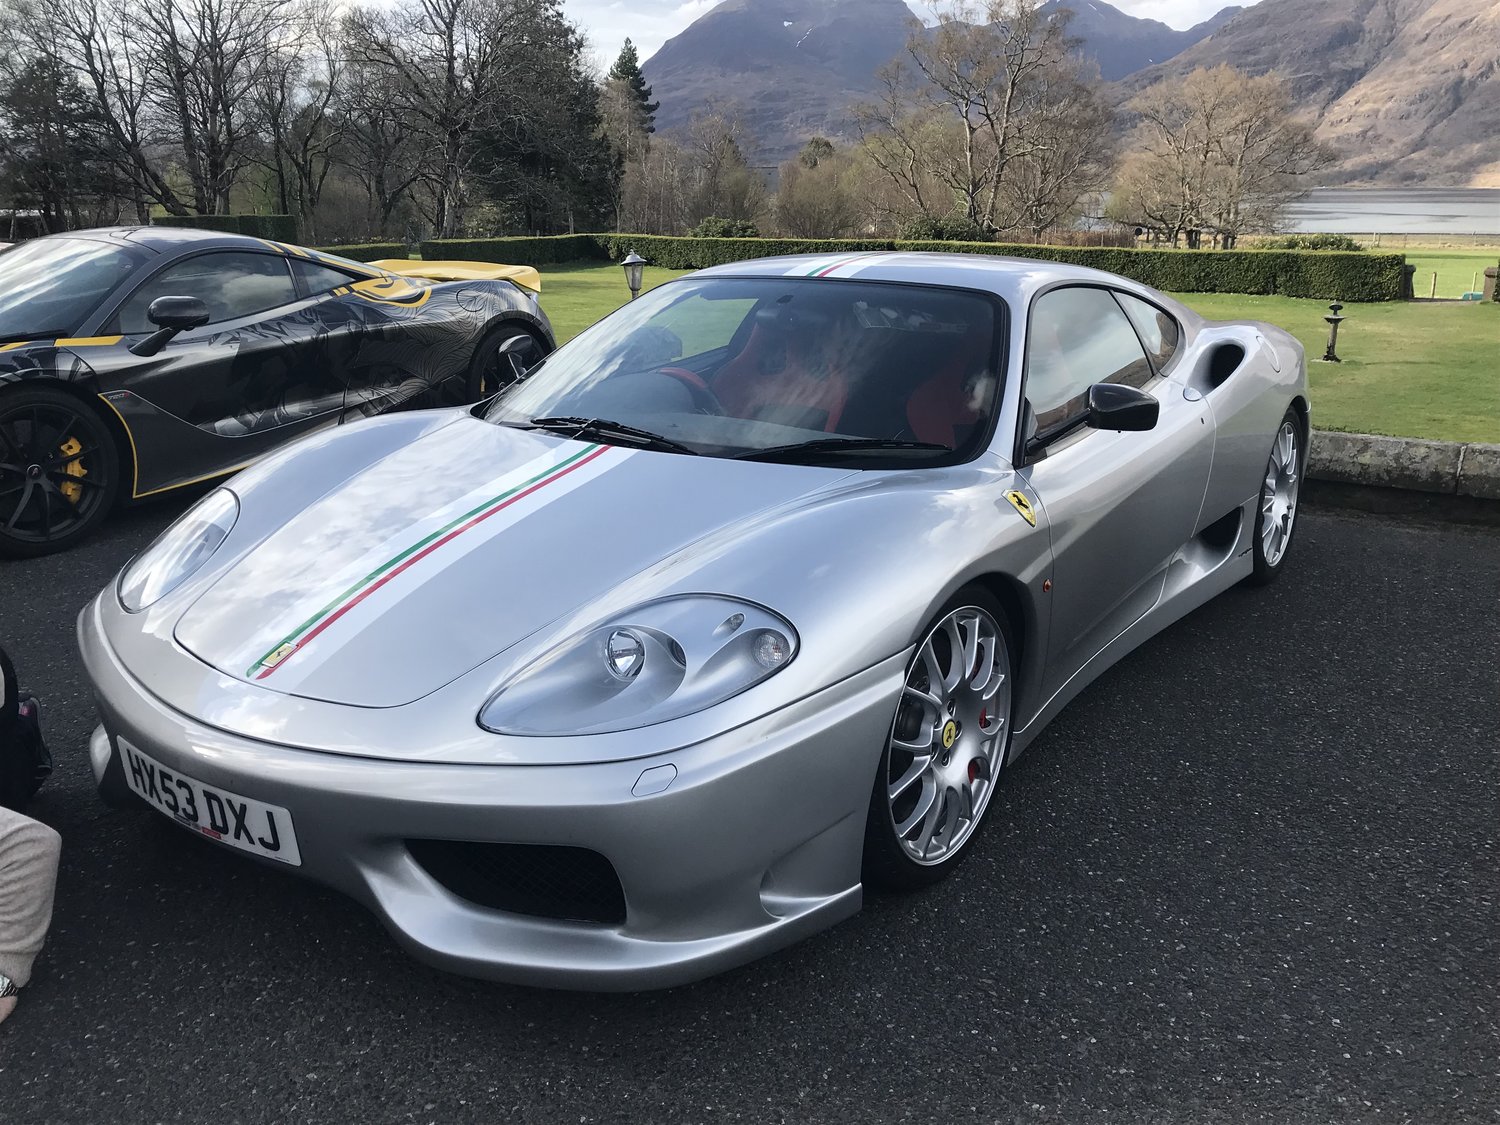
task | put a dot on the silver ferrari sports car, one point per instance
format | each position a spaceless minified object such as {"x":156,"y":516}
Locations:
{"x":740,"y":601}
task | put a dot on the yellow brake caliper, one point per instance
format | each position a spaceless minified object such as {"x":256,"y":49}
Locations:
{"x":73,"y":468}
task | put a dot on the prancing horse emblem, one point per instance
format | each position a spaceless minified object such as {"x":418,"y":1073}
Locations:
{"x":1021,"y":504}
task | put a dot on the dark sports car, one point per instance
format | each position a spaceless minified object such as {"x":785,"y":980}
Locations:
{"x":135,"y":360}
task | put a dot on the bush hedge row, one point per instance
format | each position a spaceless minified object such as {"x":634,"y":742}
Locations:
{"x":281,"y":228}
{"x":1323,"y":275}
{"x":366,"y":251}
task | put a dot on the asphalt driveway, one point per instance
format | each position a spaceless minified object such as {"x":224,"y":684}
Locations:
{"x":1250,"y":875}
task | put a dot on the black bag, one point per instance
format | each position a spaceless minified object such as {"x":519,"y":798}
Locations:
{"x":24,"y":759}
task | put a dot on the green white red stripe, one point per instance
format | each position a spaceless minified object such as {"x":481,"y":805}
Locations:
{"x":403,"y":560}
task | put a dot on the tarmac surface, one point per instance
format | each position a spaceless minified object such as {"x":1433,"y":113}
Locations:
{"x":1251,"y":875}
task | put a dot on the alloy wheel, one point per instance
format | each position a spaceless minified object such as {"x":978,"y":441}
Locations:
{"x":948,"y":739}
{"x":54,"y":471}
{"x":1278,"y":497}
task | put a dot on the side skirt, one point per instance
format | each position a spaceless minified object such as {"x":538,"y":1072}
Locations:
{"x":1197,"y":574}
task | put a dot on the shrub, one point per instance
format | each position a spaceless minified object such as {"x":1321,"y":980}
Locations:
{"x":366,"y":251}
{"x":229,"y":224}
{"x":280,"y":228}
{"x":1308,"y":242}
{"x":1324,"y":275}
{"x":715,"y":227}
{"x":947,"y":229}
{"x":514,"y":251}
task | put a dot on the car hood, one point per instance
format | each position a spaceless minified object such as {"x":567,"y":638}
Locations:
{"x":450,"y":549}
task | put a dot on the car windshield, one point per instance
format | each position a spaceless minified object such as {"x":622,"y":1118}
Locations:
{"x":864,"y":374}
{"x":53,"y":284}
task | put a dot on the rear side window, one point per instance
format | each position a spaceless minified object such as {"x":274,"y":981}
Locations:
{"x":1158,"y":331}
{"x":1078,"y":337}
{"x":316,"y":278}
{"x":231,"y":283}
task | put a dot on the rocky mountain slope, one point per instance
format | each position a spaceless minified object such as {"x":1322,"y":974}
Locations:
{"x":1407,"y":90}
{"x":792,"y":68}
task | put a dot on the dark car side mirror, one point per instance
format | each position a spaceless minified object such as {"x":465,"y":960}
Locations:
{"x":171,"y":315}
{"x":1114,"y":406}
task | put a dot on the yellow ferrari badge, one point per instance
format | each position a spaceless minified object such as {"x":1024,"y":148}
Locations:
{"x":1021,"y":504}
{"x":278,"y":654}
{"x":950,"y":734}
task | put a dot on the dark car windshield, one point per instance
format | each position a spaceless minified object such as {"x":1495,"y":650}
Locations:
{"x":51,"y":285}
{"x":861,"y":373}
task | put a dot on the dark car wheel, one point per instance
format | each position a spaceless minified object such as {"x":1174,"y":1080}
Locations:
{"x":946,"y":747}
{"x":492,"y":369}
{"x":1276,"y":512}
{"x":59,"y":471}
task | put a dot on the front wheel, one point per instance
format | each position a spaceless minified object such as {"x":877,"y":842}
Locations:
{"x":59,"y":471}
{"x":1276,"y":517}
{"x":946,"y":747}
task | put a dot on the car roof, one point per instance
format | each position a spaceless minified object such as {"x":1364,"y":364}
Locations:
{"x":1013,"y":279}
{"x":168,"y":239}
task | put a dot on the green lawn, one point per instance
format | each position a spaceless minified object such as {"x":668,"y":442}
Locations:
{"x":1456,"y":270}
{"x":1414,"y":370}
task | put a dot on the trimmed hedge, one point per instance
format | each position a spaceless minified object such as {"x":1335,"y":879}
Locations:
{"x":514,"y":251}
{"x":365,"y":251}
{"x":279,"y":228}
{"x":1321,"y":275}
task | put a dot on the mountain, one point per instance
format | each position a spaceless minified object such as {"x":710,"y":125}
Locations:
{"x":1407,"y":90}
{"x":792,"y":68}
{"x":1122,"y":44}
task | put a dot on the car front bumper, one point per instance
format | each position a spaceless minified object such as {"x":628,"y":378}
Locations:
{"x":755,"y":842}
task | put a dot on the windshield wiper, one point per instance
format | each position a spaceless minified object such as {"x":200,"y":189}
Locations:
{"x":603,"y":429}
{"x":841,"y":445}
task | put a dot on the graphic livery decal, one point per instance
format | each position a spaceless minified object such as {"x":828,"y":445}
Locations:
{"x":526,"y":481}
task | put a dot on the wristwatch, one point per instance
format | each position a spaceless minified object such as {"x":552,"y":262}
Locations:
{"x":8,"y":987}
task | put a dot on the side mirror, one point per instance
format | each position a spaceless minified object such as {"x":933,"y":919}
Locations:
{"x":171,"y":315}
{"x":178,"y":313}
{"x":517,"y":350}
{"x":1114,"y":406}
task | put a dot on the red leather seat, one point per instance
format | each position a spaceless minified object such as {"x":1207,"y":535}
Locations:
{"x":945,"y":404}
{"x":803,"y":387}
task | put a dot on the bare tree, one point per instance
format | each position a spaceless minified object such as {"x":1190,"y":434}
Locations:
{"x":454,"y":66}
{"x":1216,"y":151}
{"x":817,"y":193}
{"x":989,"y":120}
{"x":208,"y":57}
{"x":298,"y":100}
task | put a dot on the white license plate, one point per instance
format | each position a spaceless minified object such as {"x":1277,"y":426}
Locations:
{"x":252,"y":826}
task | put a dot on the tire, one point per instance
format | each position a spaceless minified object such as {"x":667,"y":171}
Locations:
{"x":965,"y":731}
{"x":1277,"y":506}
{"x":59,"y":471}
{"x":490,"y":371}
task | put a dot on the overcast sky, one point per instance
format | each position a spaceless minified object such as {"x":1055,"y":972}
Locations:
{"x":650,"y":23}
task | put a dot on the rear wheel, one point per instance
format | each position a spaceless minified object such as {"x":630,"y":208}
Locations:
{"x":946,"y":747}
{"x":492,"y":369}
{"x":1276,"y":516}
{"x":59,"y":471}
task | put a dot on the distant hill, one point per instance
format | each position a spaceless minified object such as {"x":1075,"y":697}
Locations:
{"x":1407,"y":90}
{"x":793,"y":67}
{"x":1122,"y":44}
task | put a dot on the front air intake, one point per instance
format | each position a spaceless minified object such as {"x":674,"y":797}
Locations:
{"x":543,"y":880}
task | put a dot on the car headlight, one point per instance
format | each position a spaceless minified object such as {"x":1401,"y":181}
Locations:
{"x":178,"y":551}
{"x":659,"y":661}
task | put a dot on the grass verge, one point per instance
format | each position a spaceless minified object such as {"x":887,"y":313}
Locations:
{"x":1410,"y":369}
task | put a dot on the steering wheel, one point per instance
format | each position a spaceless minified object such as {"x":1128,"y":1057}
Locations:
{"x":703,"y":397}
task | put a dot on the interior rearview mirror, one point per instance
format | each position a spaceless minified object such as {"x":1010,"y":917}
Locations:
{"x":1114,"y":406}
{"x":171,"y":315}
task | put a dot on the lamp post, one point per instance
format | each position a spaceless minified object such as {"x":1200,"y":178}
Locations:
{"x":634,"y":265}
{"x":1331,"y":356}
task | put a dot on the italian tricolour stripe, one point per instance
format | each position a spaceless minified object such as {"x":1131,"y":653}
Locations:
{"x":452,"y":530}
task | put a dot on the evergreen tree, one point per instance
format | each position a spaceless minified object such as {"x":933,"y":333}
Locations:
{"x":627,"y":70}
